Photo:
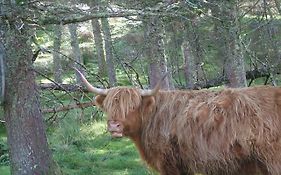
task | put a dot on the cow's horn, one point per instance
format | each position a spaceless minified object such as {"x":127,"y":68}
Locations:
{"x":156,"y":88}
{"x":90,"y":87}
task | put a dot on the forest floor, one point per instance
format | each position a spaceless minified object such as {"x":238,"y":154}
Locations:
{"x":89,"y":149}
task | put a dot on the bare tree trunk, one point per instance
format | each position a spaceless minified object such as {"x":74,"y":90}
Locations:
{"x":172,"y":48}
{"x":189,"y":66}
{"x":109,"y":52}
{"x":28,"y":147}
{"x":227,"y":31}
{"x":2,"y":71}
{"x":56,"y":54}
{"x":193,"y":55}
{"x":153,"y":34}
{"x":272,"y":31}
{"x":278,"y":6}
{"x":196,"y":59}
{"x":98,"y":40}
{"x":235,"y":62}
{"x":76,"y":50}
{"x":198,"y":51}
{"x":99,"y":46}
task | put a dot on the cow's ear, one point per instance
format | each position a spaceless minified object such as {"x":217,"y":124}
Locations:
{"x":148,"y":103}
{"x":99,"y":100}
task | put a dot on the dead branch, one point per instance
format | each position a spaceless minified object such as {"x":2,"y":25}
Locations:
{"x":61,"y":87}
{"x":68,"y":107}
{"x":254,"y":74}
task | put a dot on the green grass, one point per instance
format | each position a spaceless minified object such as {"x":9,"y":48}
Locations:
{"x":92,"y":151}
{"x":87,"y":149}
{"x":5,"y":170}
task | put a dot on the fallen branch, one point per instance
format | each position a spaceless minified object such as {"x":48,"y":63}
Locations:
{"x":254,"y":74}
{"x":62,"y":87}
{"x":68,"y":107}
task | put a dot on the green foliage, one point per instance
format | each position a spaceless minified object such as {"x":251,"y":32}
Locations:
{"x":21,"y":2}
{"x":5,"y":170}
{"x":4,"y":151}
{"x":4,"y":155}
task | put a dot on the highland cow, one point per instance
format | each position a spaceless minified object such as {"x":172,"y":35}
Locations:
{"x":231,"y":131}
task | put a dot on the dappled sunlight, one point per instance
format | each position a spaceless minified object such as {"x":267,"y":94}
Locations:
{"x":94,"y":148}
{"x":44,"y":59}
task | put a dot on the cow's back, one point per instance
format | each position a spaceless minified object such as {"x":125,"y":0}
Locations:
{"x":235,"y":124}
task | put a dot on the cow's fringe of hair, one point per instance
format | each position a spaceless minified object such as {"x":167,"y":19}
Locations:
{"x":120,"y":101}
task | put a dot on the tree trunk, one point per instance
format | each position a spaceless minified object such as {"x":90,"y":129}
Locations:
{"x":99,"y":47}
{"x":2,"y":72}
{"x":28,"y":148}
{"x":273,"y":42}
{"x":153,"y":34}
{"x":76,"y":52}
{"x":278,"y":6}
{"x":98,"y":41}
{"x":189,"y":66}
{"x":109,"y":52}
{"x":56,"y":54}
{"x":195,"y":51}
{"x":172,"y":49}
{"x":235,"y":70}
{"x":227,"y":31}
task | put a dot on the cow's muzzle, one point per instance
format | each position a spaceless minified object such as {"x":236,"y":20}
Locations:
{"x":115,"y":128}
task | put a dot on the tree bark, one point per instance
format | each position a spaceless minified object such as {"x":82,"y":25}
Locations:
{"x":153,"y":35}
{"x":278,"y":6}
{"x":56,"y":54}
{"x":172,"y":49}
{"x":193,"y":54}
{"x":28,"y":147}
{"x":227,"y":32}
{"x":76,"y":52}
{"x":99,"y":47}
{"x":189,"y":66}
{"x":98,"y":41}
{"x":235,"y":70}
{"x":2,"y":72}
{"x":109,"y":52}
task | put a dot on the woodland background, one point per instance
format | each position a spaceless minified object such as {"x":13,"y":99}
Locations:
{"x":48,"y":122}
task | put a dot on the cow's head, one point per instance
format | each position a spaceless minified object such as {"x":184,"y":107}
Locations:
{"x":124,"y":107}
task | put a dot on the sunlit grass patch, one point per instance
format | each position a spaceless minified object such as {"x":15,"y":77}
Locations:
{"x":5,"y":170}
{"x":93,"y":151}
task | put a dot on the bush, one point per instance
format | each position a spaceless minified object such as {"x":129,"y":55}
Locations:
{"x":4,"y":153}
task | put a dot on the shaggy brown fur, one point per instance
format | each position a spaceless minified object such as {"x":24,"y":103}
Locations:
{"x":233,"y":131}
